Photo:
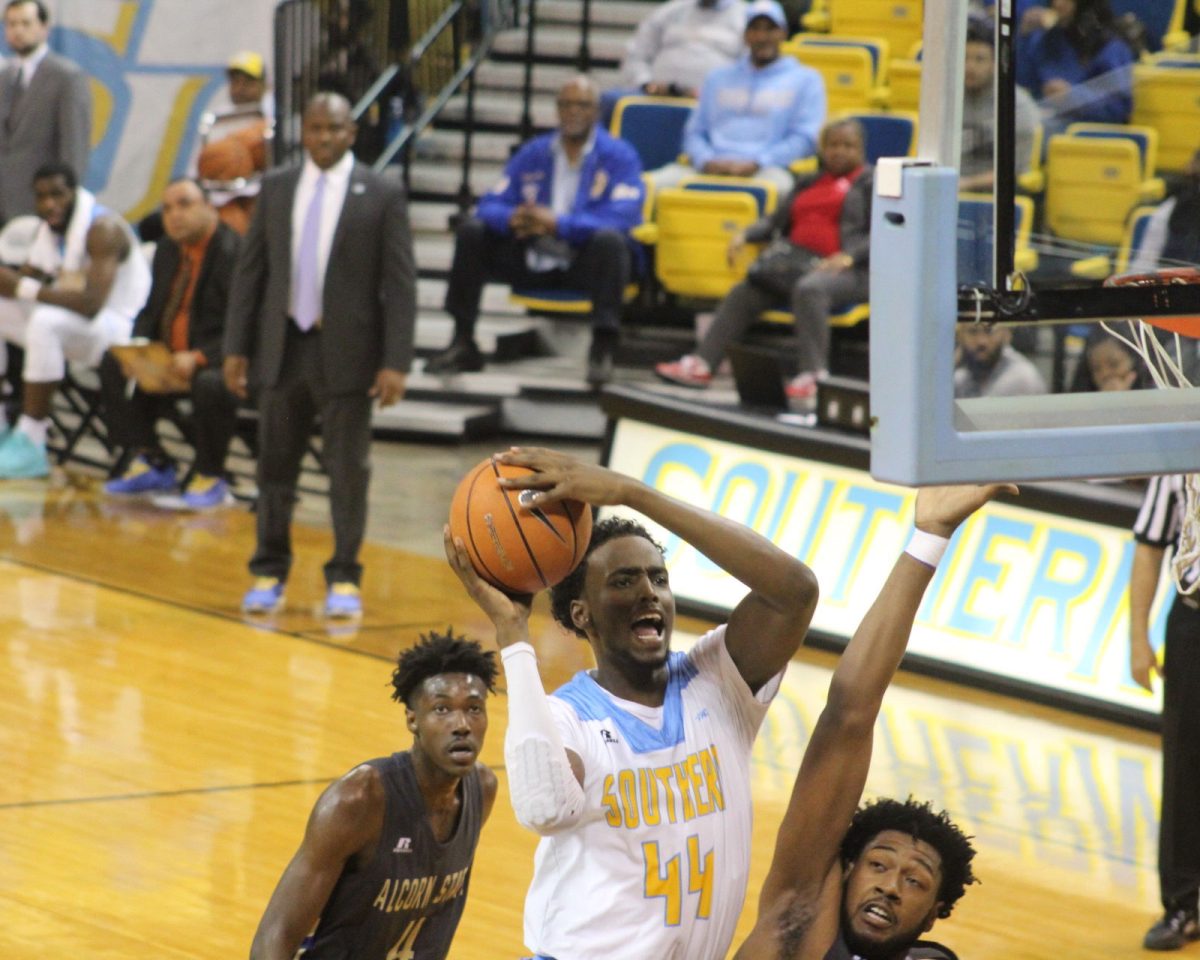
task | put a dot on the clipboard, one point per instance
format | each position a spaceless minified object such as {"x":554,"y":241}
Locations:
{"x":149,"y":363}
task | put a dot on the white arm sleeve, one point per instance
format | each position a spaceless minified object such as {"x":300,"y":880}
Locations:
{"x":545,"y":795}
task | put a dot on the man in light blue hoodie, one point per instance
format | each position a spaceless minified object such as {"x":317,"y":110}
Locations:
{"x":757,"y":115}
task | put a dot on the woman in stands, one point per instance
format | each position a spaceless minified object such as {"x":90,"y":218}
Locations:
{"x":817,"y":259}
{"x":1074,"y":59}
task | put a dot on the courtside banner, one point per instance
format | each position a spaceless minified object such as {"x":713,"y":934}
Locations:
{"x":153,"y":66}
{"x":1034,"y":597}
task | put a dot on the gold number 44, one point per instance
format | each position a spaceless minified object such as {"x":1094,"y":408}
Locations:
{"x":666,"y":879}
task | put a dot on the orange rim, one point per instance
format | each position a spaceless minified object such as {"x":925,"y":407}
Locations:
{"x":1184,"y":326}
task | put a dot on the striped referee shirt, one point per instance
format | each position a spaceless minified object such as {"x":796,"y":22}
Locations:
{"x":1160,"y":517}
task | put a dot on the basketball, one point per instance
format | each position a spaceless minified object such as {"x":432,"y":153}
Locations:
{"x":517,"y":549}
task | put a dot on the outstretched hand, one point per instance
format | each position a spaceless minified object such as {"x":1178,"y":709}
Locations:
{"x":557,"y":476}
{"x":509,"y":613}
{"x":941,"y":509}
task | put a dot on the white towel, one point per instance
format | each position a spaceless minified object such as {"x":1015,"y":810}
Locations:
{"x":66,"y":259}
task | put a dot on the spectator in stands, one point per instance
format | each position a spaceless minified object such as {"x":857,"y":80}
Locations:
{"x":77,"y":294}
{"x":977,"y":168}
{"x":818,"y":258}
{"x":558,"y":219}
{"x":988,"y":366}
{"x":1172,"y":237}
{"x":234,"y":155}
{"x":45,"y":108}
{"x":192,"y":270}
{"x":247,"y":86}
{"x":1073,"y":60}
{"x":676,"y":47}
{"x":756,"y":116}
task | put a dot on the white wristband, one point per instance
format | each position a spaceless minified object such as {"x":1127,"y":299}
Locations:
{"x":926,"y":547}
{"x":27,"y":289}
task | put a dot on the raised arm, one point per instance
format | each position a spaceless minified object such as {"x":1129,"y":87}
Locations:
{"x":345,"y":823}
{"x":834,"y":769}
{"x":767,"y":626}
{"x":545,"y":779}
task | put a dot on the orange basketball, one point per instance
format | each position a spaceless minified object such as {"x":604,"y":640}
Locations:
{"x":515,"y":548}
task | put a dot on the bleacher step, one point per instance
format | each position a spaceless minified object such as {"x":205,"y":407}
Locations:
{"x":560,"y":43}
{"x":619,"y":14}
{"x":437,"y":419}
{"x":501,"y":109}
{"x":500,"y":339}
{"x":547,"y":77}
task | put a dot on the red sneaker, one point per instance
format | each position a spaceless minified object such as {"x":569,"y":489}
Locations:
{"x":803,"y":386}
{"x":688,"y":371}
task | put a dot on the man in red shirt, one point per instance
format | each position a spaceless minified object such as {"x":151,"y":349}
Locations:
{"x":193,"y":265}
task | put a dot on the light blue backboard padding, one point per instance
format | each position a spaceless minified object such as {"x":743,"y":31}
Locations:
{"x":921,"y":435}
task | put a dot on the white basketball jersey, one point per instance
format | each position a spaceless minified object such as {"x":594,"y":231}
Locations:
{"x":658,"y":864}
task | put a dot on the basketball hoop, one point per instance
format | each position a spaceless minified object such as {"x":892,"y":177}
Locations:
{"x":1185,"y":326}
{"x":1167,"y":371}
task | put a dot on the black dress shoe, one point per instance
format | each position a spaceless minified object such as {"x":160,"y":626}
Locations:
{"x":600,"y":362}
{"x":462,"y":356}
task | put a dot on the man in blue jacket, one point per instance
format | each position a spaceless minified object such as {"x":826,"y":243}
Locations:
{"x":756,"y":116}
{"x":558,"y":219}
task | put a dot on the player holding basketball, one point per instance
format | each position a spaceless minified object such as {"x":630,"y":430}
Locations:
{"x":869,"y":891}
{"x":386,"y":858}
{"x":636,"y":774}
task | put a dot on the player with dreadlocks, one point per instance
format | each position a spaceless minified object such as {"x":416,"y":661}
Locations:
{"x":386,"y":857}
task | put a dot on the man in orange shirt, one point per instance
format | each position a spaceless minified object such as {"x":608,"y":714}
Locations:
{"x":193,"y":265}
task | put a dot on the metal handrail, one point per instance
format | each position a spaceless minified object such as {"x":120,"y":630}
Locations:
{"x":417,"y":127}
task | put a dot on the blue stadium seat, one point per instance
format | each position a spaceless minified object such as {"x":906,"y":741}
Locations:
{"x":653,"y":126}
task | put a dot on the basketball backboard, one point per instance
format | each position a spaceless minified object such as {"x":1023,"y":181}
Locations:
{"x":921,"y":434}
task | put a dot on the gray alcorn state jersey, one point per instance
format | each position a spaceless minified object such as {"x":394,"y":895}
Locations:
{"x":410,"y":898}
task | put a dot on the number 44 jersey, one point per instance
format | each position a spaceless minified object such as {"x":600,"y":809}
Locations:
{"x":658,"y":863}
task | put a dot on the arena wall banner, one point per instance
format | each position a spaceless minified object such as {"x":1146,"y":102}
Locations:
{"x":1033,"y":598}
{"x":154,"y":67}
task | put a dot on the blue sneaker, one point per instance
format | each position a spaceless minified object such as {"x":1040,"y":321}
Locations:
{"x":21,"y":458}
{"x":343,"y":601}
{"x":206,"y":493}
{"x":141,"y":477}
{"x":266,"y":596}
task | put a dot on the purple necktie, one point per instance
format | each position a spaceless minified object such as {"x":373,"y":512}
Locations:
{"x":308,"y":272}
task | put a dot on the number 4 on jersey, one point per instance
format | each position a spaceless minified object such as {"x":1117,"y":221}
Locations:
{"x":666,"y":880}
{"x":403,"y":950}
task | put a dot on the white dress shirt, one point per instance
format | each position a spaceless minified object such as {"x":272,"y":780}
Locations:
{"x":337,"y":182}
{"x":30,"y":64}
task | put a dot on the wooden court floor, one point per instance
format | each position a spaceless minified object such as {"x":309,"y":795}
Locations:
{"x":161,"y":753}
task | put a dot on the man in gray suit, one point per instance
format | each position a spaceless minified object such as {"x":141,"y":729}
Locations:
{"x":45,"y":108}
{"x":321,"y":317}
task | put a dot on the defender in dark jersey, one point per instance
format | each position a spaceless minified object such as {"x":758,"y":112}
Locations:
{"x":867,"y":885}
{"x":386,"y":858}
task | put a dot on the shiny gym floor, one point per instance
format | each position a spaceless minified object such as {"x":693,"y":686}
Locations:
{"x":162,"y":753}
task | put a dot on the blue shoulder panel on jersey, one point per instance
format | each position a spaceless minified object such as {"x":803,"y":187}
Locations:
{"x":591,"y":702}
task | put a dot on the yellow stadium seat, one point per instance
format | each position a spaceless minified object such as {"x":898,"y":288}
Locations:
{"x":692,"y":230}
{"x":849,"y":73}
{"x":1102,"y":267}
{"x":843,"y":317}
{"x":1167,"y":99}
{"x":1091,"y":186}
{"x":877,"y":47}
{"x":904,"y":85}
{"x":899,"y":22}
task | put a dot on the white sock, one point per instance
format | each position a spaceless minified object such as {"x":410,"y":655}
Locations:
{"x":35,"y":430}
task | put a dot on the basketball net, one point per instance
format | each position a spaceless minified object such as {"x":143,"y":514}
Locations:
{"x":1166,"y":368}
